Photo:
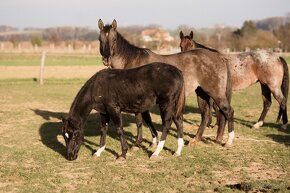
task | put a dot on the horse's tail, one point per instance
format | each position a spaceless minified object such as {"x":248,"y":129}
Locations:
{"x":229,"y":82}
{"x":180,"y":101}
{"x":284,"y":86}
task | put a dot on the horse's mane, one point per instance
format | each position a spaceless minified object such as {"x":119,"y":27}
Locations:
{"x":198,"y":45}
{"x":127,"y":50}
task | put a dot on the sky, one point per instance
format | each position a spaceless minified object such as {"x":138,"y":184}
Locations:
{"x":166,"y":13}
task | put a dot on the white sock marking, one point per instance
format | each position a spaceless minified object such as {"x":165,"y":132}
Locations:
{"x":159,"y":148}
{"x":99,"y":151}
{"x":154,"y":140}
{"x":180,"y":143}
{"x":258,"y":124}
{"x":231,"y":138}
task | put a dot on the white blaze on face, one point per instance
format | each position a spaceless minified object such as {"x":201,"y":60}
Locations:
{"x":66,"y":135}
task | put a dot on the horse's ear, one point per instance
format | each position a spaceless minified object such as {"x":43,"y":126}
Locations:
{"x":191,"y":35}
{"x":181,"y":35}
{"x":114,"y":24}
{"x":101,"y":24}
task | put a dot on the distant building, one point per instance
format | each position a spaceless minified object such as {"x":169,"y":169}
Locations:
{"x":150,"y":35}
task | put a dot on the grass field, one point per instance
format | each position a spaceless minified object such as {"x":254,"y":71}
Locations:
{"x":57,"y":60}
{"x":33,"y":152}
{"x":51,"y":60}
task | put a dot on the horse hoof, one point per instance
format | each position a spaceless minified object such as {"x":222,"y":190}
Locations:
{"x":135,"y":148}
{"x":154,"y":157}
{"x":121,"y":159}
{"x":176,"y":154}
{"x":153,"y":145}
{"x":228,"y":144}
{"x":219,"y":142}
{"x":95,"y":156}
{"x":284,"y":127}
{"x":192,"y":142}
{"x":257,"y":125}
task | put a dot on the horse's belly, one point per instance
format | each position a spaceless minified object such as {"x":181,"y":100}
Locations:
{"x":242,"y":81}
{"x":139,"y":105}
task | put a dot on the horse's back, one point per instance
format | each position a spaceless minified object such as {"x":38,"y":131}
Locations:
{"x":249,"y":67}
{"x":138,"y":89}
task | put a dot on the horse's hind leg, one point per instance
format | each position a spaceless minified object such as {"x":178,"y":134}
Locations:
{"x":228,"y":113}
{"x":266,"y":96}
{"x":221,"y":126}
{"x":278,"y":95}
{"x":105,"y":119}
{"x":138,"y":120}
{"x":203,"y":103}
{"x":217,"y":111}
{"x":178,"y":121}
{"x":147,"y":118}
{"x":166,"y":116}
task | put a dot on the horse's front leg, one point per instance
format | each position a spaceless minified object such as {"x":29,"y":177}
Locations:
{"x":105,"y":119}
{"x":115,"y":115}
{"x":203,"y":103}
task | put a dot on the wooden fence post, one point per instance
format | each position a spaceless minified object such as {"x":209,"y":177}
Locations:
{"x":42,"y":67}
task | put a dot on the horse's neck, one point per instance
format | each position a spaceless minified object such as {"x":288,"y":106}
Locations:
{"x":81,"y":106}
{"x":198,"y":45}
{"x":128,"y":55}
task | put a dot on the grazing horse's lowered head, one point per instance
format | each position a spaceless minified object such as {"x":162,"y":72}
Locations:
{"x":73,"y":136}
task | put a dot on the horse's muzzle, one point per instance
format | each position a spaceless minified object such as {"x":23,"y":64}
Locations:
{"x":107,"y":61}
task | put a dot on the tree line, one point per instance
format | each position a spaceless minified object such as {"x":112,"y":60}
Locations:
{"x":271,"y":33}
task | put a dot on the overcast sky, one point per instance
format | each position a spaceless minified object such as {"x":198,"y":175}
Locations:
{"x":166,"y":13}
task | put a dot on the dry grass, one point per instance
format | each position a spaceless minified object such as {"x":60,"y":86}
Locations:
{"x":33,"y":153}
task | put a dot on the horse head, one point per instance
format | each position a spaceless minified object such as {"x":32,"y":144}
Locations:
{"x":73,"y":137}
{"x":107,"y":38}
{"x":186,"y":42}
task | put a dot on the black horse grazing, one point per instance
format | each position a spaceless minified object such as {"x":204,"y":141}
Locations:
{"x":248,"y":68}
{"x":206,"y":73}
{"x":112,"y":91}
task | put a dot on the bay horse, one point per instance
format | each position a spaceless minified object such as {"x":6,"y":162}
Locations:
{"x":251,"y":67}
{"x":206,"y":73}
{"x":112,"y":91}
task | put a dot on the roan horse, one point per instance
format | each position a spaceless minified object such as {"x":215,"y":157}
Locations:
{"x":112,"y":91}
{"x":205,"y":73}
{"x":248,"y":68}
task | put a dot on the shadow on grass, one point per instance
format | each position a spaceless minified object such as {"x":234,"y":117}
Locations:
{"x":49,"y":132}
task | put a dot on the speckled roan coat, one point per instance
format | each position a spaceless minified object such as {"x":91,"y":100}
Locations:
{"x":250,"y":67}
{"x":205,"y":72}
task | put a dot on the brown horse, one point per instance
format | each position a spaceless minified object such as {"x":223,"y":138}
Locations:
{"x":248,"y":68}
{"x":205,"y":73}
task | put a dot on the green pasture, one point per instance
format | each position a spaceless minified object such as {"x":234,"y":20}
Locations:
{"x":51,"y":59}
{"x":7,"y":59}
{"x":33,"y":152}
